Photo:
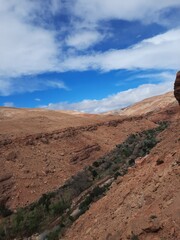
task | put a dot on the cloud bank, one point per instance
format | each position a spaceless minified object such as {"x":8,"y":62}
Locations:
{"x":159,"y":52}
{"x":120,"y":99}
{"x":30,"y":46}
{"x":14,"y":86}
{"x":145,"y":11}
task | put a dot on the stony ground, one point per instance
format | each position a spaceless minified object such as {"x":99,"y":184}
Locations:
{"x":144,"y":204}
{"x":39,"y":163}
{"x":41,"y":149}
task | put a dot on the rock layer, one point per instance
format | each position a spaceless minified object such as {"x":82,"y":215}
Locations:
{"x":177,"y":87}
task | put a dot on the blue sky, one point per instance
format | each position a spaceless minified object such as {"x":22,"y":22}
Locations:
{"x":91,"y":56}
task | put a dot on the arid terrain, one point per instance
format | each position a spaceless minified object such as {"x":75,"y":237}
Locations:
{"x":41,"y":149}
{"x":144,"y":204}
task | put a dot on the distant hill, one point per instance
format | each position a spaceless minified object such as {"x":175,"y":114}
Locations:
{"x":148,"y":105}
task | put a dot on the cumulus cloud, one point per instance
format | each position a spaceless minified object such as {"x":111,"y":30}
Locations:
{"x":159,"y":52}
{"x":118,"y":100}
{"x":12,"y":86}
{"x":143,"y":10}
{"x":25,"y":48}
{"x":28,"y":46}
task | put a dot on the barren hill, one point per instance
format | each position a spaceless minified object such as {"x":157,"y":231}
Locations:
{"x":142,"y":205}
{"x":148,"y":105}
{"x":40,"y":151}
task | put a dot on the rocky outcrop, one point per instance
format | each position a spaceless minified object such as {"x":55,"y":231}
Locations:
{"x":177,"y":87}
{"x":85,"y":153}
{"x":6,"y":185}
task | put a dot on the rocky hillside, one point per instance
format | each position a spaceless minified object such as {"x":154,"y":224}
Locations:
{"x":112,"y":168}
{"x":143,"y":204}
{"x":33,"y":164}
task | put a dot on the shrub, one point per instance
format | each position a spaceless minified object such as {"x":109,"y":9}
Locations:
{"x":26,"y":222}
{"x":85,"y":204}
{"x":126,"y":151}
{"x":97,"y":191}
{"x":59,"y":207}
{"x":4,"y":211}
{"x":2,"y":232}
{"x":117,"y":174}
{"x":53,"y":235}
{"x":97,"y":163}
{"x":45,"y":200}
{"x":134,"y":237}
{"x":94,"y":173}
{"x":117,"y":159}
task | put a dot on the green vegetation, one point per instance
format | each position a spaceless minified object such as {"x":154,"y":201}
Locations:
{"x":59,"y":207}
{"x":4,"y":211}
{"x":2,"y":232}
{"x":26,"y":222}
{"x":134,"y":237}
{"x":96,"y":192}
{"x":97,"y":163}
{"x":54,"y":235}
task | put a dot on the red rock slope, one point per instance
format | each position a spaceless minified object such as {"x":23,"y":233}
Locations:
{"x":142,"y":205}
{"x":41,"y":149}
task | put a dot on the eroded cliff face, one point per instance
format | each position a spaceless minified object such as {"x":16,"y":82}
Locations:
{"x":177,"y":87}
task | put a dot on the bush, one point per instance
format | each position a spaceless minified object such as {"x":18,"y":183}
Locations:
{"x":26,"y":222}
{"x":134,"y":237}
{"x":94,"y":173}
{"x":97,"y":163}
{"x":2,"y":233}
{"x":53,"y":235}
{"x":96,"y":192}
{"x":59,"y":207}
{"x":126,"y":151}
{"x":85,"y":204}
{"x":45,"y":200}
{"x":117,"y":174}
{"x":4,"y":211}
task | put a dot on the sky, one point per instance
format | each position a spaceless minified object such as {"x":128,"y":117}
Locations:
{"x":90,"y":56}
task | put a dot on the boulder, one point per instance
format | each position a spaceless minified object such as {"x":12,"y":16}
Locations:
{"x":177,"y":87}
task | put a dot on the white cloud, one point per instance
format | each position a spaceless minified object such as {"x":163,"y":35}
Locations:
{"x":157,"y":77}
{"x":12,"y":86}
{"x":25,"y":48}
{"x":8,"y":104}
{"x":28,"y":47}
{"x":159,"y":52}
{"x":143,"y":10}
{"x":83,"y":39}
{"x":55,"y":84}
{"x":161,"y":77}
{"x":55,"y":6}
{"x":116,"y":101}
